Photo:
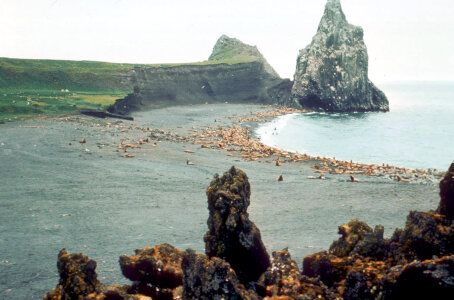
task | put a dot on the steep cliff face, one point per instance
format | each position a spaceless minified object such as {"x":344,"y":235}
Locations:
{"x":236,"y":72}
{"x":332,"y":72}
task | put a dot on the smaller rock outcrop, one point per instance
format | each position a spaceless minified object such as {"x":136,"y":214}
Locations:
{"x":159,"y":266}
{"x":231,"y":235}
{"x":210,"y":278}
{"x":332,"y":72}
{"x":77,"y":277}
{"x":431,"y":279}
{"x":425,"y":234}
{"x":284,"y":280}
{"x":78,"y":280}
{"x":351,"y":234}
{"x":282,"y":277}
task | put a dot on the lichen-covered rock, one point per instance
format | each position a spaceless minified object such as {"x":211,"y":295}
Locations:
{"x":352,"y":233}
{"x":78,"y":280}
{"x":159,"y":266}
{"x":283,"y":277}
{"x":357,"y":287}
{"x":446,"y":206}
{"x":231,"y":235}
{"x":283,"y":280}
{"x":332,"y":72}
{"x":154,"y":292}
{"x":78,"y":277}
{"x":425,"y":234}
{"x":116,"y":292}
{"x":372,"y":245}
{"x":431,"y":279}
{"x":210,"y":278}
{"x":352,"y":275}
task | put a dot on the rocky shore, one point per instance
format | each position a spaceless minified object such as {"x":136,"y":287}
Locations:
{"x":239,"y":139}
{"x":106,"y":186}
{"x":417,"y":262}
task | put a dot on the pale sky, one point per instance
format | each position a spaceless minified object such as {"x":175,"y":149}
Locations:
{"x":406,"y":39}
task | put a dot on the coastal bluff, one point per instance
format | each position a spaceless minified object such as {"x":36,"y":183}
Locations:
{"x":234,"y":73}
{"x":332,"y":72}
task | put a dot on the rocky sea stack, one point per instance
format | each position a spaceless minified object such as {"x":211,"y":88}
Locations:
{"x":332,"y":72}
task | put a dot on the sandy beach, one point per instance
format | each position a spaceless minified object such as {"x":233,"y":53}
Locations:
{"x":67,"y":182}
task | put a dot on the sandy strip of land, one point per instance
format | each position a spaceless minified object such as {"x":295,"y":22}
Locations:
{"x":68,"y":182}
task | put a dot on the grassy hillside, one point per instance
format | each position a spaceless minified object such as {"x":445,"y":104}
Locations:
{"x":30,"y":87}
{"x":63,"y":74}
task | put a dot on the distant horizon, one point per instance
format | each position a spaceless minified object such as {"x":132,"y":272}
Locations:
{"x":406,"y":40}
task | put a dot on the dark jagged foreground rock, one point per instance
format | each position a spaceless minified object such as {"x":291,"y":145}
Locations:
{"x":231,"y":235}
{"x":446,"y":206}
{"x":160,"y":266}
{"x":78,"y":280}
{"x":156,"y":272}
{"x":332,"y":72}
{"x":235,"y":72}
{"x":431,"y":279}
{"x":417,"y":262}
{"x":351,"y":233}
{"x":210,"y":278}
{"x":284,"y":281}
{"x":77,"y":276}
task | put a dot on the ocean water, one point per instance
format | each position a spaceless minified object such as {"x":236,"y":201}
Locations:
{"x":418,"y":132}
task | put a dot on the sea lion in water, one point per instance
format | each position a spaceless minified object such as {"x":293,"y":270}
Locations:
{"x":353,"y":179}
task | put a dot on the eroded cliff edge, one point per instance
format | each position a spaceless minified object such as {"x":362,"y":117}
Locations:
{"x":234,"y":73}
{"x":332,"y":72}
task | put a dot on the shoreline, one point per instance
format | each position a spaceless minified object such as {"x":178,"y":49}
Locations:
{"x":252,"y":149}
{"x":89,"y":197}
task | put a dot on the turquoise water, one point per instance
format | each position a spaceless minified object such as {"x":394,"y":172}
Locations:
{"x":418,"y":132}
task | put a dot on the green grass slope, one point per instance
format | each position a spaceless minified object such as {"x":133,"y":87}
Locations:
{"x":33,"y":87}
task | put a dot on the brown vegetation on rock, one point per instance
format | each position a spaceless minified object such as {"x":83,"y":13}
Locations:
{"x":415,"y":263}
{"x":210,"y":278}
{"x":77,"y":276}
{"x":159,"y":266}
{"x":283,"y":280}
{"x":351,"y":233}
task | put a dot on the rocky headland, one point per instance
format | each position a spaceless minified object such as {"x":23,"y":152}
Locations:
{"x":331,"y":75}
{"x":332,"y":72}
{"x":417,"y":262}
{"x":234,"y":73}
